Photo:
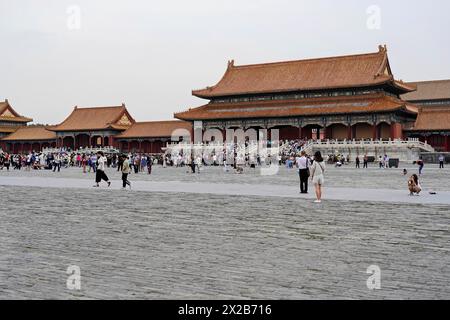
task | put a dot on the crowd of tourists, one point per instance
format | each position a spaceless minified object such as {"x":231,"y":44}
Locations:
{"x":65,"y":159}
{"x":291,"y":154}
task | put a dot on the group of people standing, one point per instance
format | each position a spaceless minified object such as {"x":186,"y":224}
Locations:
{"x":311,"y":168}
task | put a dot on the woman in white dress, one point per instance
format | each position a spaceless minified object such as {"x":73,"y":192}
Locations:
{"x":317,"y":175}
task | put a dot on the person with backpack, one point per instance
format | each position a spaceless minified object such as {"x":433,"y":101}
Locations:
{"x":317,"y":175}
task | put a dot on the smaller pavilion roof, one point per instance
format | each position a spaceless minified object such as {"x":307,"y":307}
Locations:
{"x":96,"y":118}
{"x":429,"y":90}
{"x":433,"y":119}
{"x":31,"y":133}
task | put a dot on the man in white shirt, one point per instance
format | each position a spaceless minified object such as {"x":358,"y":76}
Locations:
{"x":441,"y":161}
{"x":100,"y":174}
{"x":303,"y":170}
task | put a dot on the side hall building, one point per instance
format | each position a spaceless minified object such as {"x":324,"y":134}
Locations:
{"x":10,"y":121}
{"x":433,"y":122}
{"x":92,"y":127}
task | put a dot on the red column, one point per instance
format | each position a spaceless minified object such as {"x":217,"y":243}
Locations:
{"x":396,"y":131}
{"x":349,"y":132}
{"x":328,"y":133}
{"x":224,"y":135}
{"x":375,"y":132}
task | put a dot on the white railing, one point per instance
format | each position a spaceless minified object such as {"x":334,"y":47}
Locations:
{"x":410,"y":143}
{"x":90,"y":150}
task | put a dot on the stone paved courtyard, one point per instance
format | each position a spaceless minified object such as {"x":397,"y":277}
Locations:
{"x":160,"y":245}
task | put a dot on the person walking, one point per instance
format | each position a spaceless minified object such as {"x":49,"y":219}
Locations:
{"x":357,"y":162}
{"x":441,"y":161}
{"x":303,"y":171}
{"x":84,"y":162}
{"x":149,"y":164}
{"x":120,"y":163}
{"x":192,"y":164}
{"x":421,"y":165}
{"x":125,"y":171}
{"x":101,"y":166}
{"x":317,"y":175}
{"x":225,"y":164}
{"x":137,"y":163}
{"x":8,"y":160}
{"x":386,"y":161}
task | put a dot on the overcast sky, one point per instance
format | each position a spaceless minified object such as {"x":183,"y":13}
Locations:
{"x":56,"y":54}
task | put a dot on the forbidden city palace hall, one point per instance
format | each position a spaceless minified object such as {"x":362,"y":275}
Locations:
{"x":338,"y":98}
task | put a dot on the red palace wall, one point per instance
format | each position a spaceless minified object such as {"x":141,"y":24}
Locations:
{"x":289,"y":133}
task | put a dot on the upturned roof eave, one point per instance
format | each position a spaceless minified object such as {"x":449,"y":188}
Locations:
{"x":204,"y":95}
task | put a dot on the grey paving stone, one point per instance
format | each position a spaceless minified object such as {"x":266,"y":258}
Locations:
{"x":161,"y":245}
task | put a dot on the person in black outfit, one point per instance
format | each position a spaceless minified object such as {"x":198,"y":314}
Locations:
{"x":365,"y":161}
{"x":192,"y":164}
{"x":303,"y":166}
{"x":120,"y":164}
{"x":357,"y":162}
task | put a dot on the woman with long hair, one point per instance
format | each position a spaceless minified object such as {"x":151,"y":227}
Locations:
{"x":414,"y":185}
{"x":317,"y":171}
